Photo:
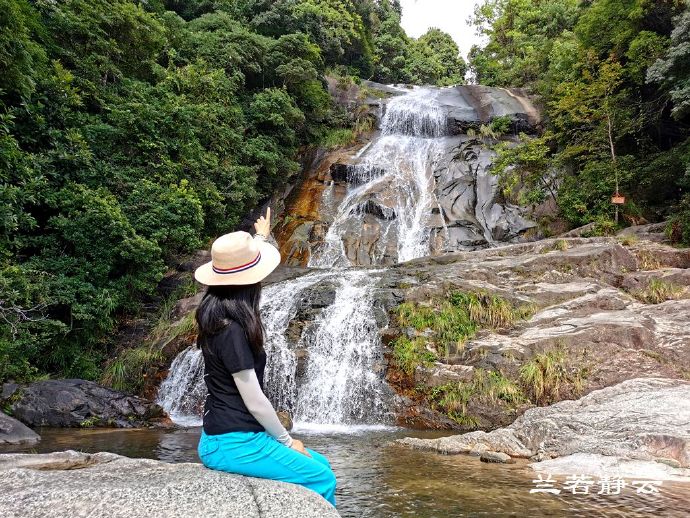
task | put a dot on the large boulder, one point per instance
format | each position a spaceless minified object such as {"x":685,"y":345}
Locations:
{"x":107,"y":485}
{"x":644,"y":419}
{"x":75,"y":402}
{"x":14,"y":432}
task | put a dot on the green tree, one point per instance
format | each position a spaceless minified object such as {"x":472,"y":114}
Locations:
{"x":673,"y":70}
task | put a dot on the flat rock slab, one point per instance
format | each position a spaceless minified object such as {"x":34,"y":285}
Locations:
{"x":14,"y":432}
{"x":645,"y":419}
{"x":107,"y":485}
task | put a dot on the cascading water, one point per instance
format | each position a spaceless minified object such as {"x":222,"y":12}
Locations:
{"x":342,"y":383}
{"x":394,"y":175}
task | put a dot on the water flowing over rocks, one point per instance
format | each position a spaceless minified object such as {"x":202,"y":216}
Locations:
{"x":78,"y":403}
{"x":644,"y":419}
{"x":14,"y":432}
{"x":583,"y":292}
{"x":420,"y":186}
{"x":104,"y":484}
{"x":326,"y":363}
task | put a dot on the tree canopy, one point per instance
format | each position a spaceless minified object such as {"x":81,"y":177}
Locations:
{"x":613,"y":77}
{"x":133,"y":131}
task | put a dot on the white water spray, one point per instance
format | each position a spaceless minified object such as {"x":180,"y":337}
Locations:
{"x":395,"y":173}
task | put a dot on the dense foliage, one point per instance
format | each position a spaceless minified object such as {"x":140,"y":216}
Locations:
{"x":131,"y":131}
{"x":614,"y":79}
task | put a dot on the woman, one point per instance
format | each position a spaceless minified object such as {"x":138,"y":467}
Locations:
{"x":242,"y":433}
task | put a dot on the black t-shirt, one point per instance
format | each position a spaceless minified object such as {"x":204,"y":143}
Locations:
{"x":225,"y":353}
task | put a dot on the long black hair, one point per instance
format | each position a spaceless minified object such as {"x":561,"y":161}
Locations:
{"x":223,"y":304}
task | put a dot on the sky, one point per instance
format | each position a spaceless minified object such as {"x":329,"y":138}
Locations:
{"x":448,"y":15}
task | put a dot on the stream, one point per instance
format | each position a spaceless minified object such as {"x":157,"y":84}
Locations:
{"x":380,"y":480}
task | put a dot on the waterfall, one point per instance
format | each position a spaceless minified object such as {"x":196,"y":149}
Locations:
{"x":393,"y":177}
{"x":342,"y":385}
{"x":183,"y":392}
{"x":343,"y":348}
{"x":327,"y":368}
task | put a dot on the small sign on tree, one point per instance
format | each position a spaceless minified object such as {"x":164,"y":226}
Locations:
{"x":618,"y":199}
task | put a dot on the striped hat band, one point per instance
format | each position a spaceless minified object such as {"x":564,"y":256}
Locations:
{"x":237,"y":269}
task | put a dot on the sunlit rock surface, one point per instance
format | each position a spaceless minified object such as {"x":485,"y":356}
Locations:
{"x":643,"y":419}
{"x":107,"y":485}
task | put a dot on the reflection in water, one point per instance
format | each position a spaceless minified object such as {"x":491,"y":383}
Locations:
{"x":380,"y":480}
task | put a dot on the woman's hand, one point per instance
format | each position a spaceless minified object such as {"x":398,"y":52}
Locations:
{"x":263,"y":224}
{"x":297,"y":445}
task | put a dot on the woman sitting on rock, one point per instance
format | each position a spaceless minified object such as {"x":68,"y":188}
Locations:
{"x":242,"y":433}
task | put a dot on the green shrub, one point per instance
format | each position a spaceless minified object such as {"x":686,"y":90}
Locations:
{"x":603,"y":226}
{"x":678,"y":228}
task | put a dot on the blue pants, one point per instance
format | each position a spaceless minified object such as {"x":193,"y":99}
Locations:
{"x":257,"y":454}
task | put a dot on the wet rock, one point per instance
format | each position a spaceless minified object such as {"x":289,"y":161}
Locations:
{"x":496,"y":457}
{"x":470,"y":212}
{"x":478,"y":450}
{"x":377,"y":210}
{"x":14,"y":432}
{"x":104,"y":484}
{"x":301,"y":356}
{"x":472,"y":105}
{"x":75,"y":402}
{"x":643,"y":419}
{"x":353,"y":174}
{"x":285,"y":419}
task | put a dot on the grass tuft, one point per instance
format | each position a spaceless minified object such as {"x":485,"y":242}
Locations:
{"x":457,"y":318}
{"x":409,"y":354}
{"x":628,"y":240}
{"x":127,"y":371}
{"x":489,"y":387}
{"x":544,"y":375}
{"x":561,"y":245}
{"x":658,"y":291}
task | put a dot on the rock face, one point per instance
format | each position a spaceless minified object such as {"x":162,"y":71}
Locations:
{"x":418,"y":186}
{"x":14,"y":432}
{"x":78,"y":403}
{"x":108,"y":485}
{"x":643,"y":419}
{"x":587,"y":296}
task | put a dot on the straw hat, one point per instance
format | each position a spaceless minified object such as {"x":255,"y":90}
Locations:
{"x":238,"y":259}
